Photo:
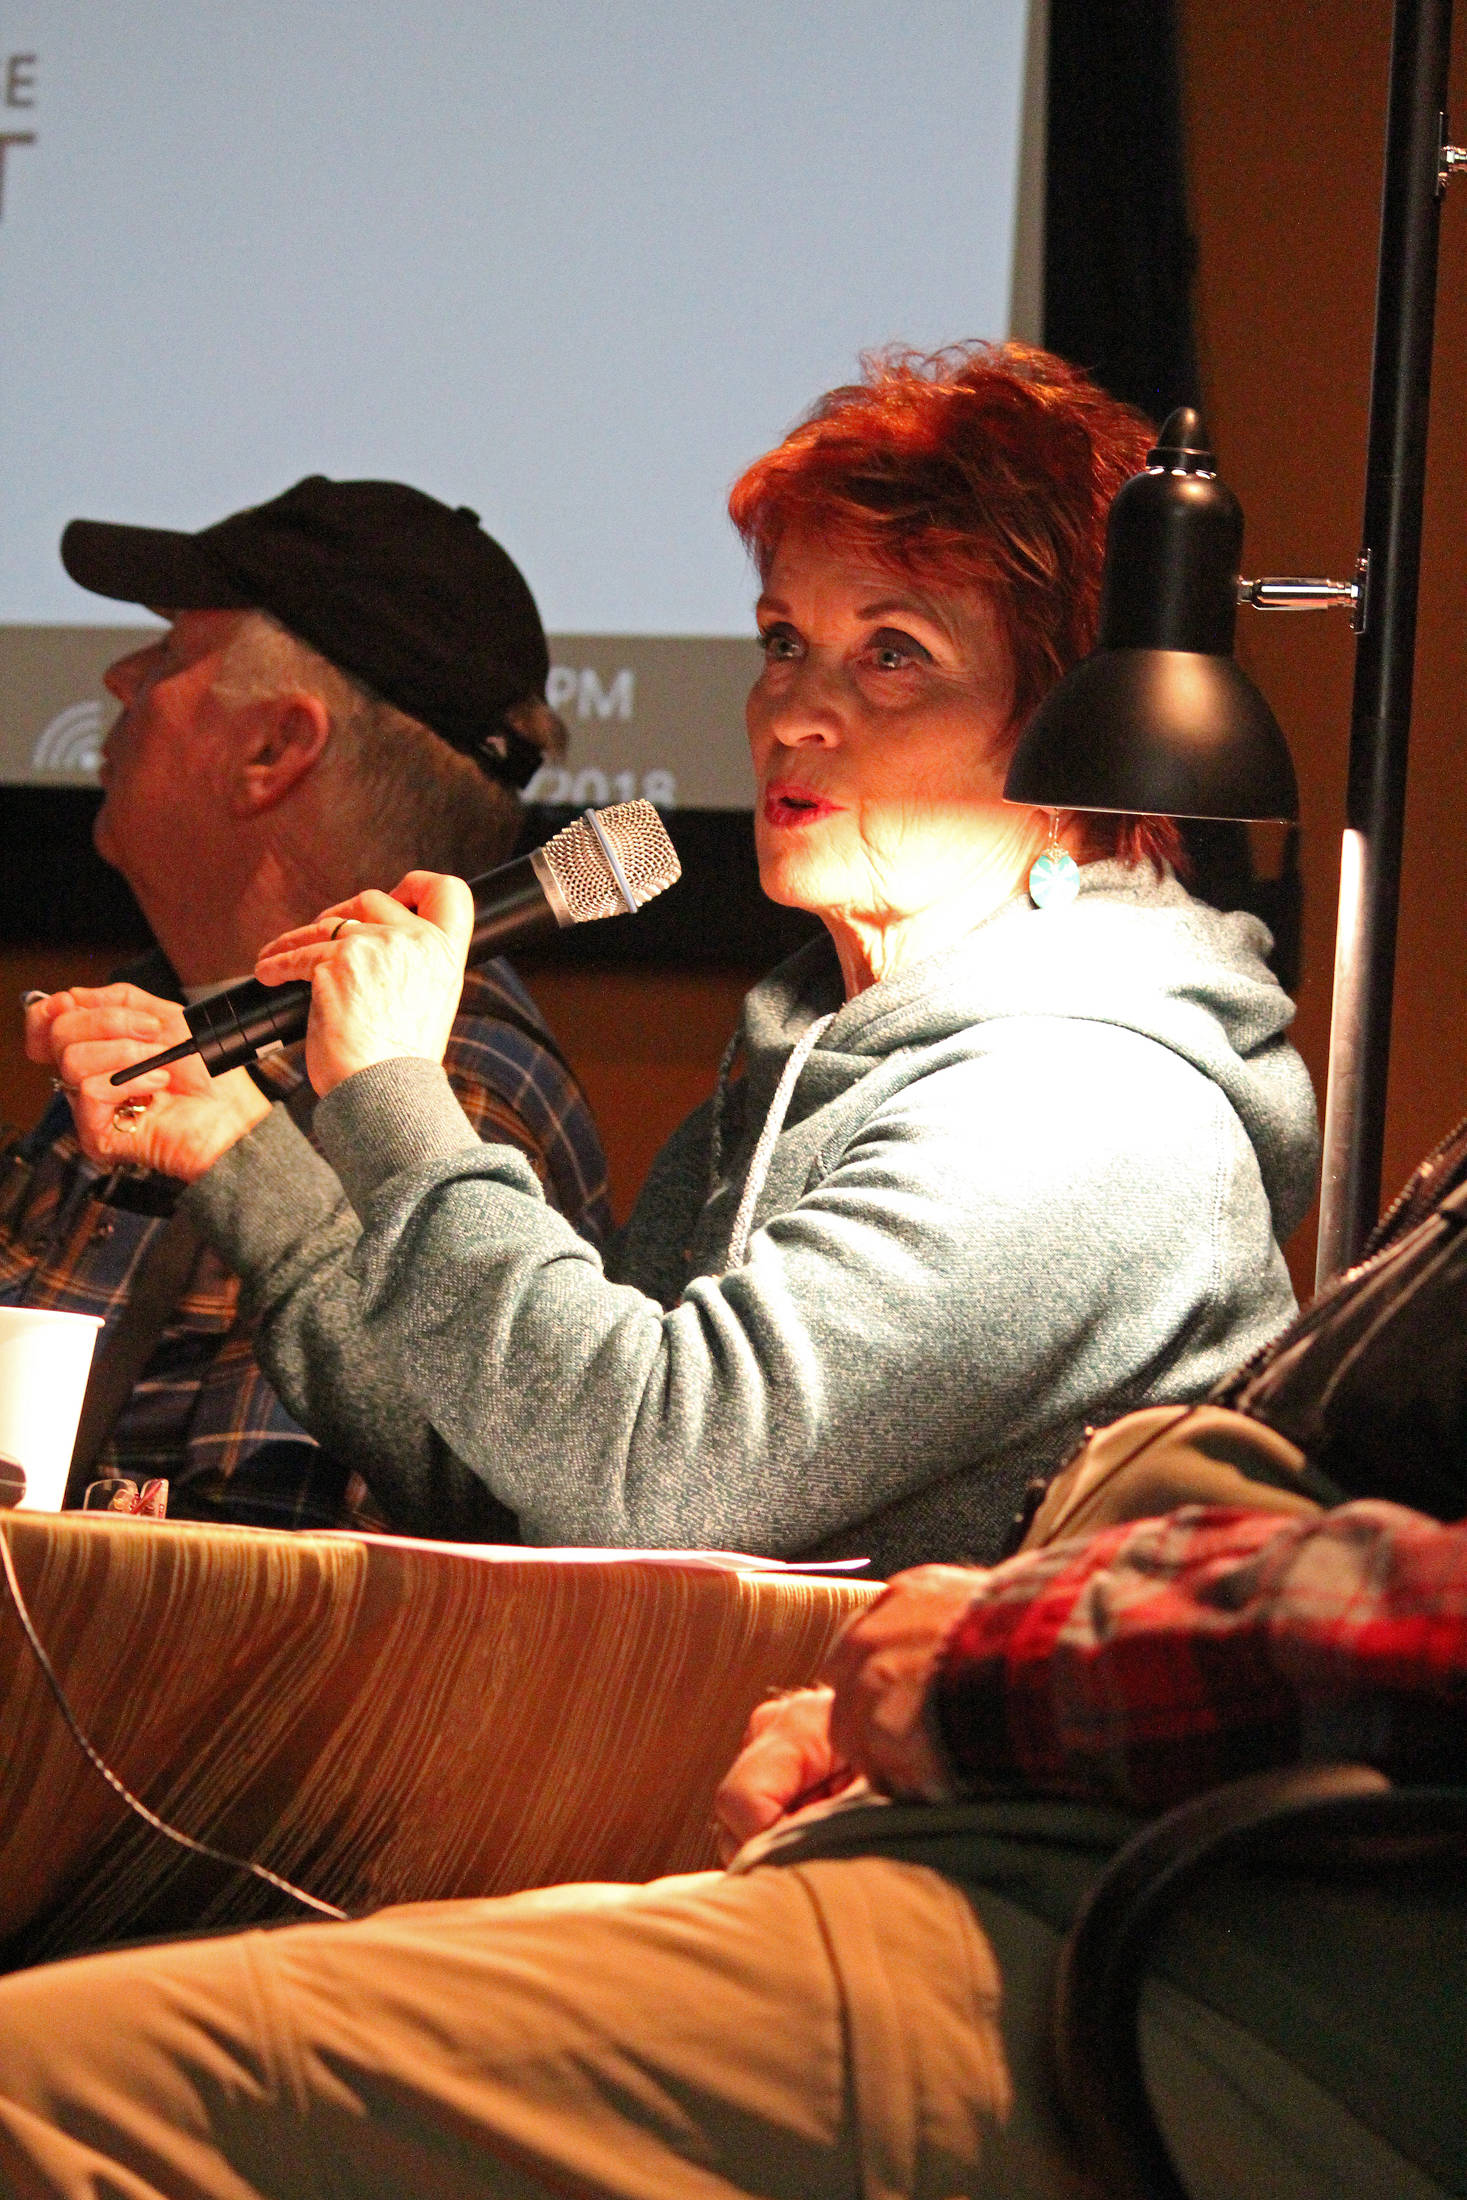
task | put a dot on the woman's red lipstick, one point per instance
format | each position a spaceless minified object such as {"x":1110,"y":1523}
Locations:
{"x":787,"y":806}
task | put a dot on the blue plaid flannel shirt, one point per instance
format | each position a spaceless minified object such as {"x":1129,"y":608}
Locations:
{"x":203,"y":1414}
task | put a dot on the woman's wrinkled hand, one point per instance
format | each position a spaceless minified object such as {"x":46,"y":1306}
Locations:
{"x":386,"y":972}
{"x":177,"y":1120}
{"x":880,"y":1670}
{"x":786,"y":1759}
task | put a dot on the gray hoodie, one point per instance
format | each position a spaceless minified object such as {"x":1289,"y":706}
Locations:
{"x":1024,"y":1185}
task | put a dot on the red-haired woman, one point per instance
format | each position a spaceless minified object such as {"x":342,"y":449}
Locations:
{"x":1005,"y":1157}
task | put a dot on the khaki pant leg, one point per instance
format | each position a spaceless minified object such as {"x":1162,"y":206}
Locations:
{"x":697,"y":2037}
{"x":949,"y":1994}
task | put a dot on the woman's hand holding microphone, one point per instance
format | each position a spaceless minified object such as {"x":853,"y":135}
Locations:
{"x":177,"y":1120}
{"x":386,"y":972}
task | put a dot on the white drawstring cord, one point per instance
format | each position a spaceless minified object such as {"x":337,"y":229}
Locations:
{"x":738,"y":1244}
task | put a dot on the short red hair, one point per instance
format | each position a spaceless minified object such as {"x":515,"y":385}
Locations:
{"x":984,"y":467}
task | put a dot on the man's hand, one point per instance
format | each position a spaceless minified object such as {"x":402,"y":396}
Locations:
{"x":178,"y":1120}
{"x":880,"y":1669}
{"x":787,"y":1759}
{"x":870,"y":1721}
{"x":386,"y":972}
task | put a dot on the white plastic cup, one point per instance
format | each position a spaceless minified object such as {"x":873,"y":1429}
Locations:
{"x":44,"y":1361}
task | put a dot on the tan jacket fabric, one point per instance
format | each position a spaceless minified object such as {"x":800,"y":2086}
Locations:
{"x":1150,"y":1462}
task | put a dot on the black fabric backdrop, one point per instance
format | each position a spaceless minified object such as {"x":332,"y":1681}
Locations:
{"x":1118,"y":252}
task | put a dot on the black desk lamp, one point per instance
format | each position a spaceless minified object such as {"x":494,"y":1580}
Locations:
{"x":1159,"y":718}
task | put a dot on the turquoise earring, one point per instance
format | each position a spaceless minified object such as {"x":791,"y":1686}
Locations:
{"x":1054,"y":876}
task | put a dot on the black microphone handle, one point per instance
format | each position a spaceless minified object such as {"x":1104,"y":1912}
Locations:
{"x":515,"y":908}
{"x":232,"y":1027}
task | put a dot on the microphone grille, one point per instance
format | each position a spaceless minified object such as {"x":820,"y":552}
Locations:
{"x":577,"y":863}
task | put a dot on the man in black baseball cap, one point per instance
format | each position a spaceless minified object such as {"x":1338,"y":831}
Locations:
{"x":409,"y":596}
{"x":350,"y":686}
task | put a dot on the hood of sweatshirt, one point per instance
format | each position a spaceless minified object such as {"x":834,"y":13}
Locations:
{"x":1132,"y":949}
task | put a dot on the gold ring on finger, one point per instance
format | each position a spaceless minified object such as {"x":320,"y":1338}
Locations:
{"x":127,"y":1116}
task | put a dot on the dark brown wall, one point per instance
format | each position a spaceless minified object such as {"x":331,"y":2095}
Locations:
{"x":1284,"y":111}
{"x":1285,"y":117}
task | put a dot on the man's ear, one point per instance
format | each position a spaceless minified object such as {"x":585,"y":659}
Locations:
{"x":282,"y":739}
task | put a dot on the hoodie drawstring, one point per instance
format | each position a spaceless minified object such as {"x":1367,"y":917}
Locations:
{"x":720,"y":1108}
{"x":738,"y":1244}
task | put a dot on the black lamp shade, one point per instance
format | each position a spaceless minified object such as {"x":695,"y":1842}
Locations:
{"x":1159,"y":720}
{"x":1159,"y":732}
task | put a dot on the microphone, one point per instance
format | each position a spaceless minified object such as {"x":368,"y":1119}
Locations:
{"x":607,"y":863}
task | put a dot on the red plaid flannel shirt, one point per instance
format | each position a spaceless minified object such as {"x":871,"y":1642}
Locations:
{"x":1157,"y":1659}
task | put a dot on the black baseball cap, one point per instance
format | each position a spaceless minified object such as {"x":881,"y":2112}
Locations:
{"x":408,"y":595}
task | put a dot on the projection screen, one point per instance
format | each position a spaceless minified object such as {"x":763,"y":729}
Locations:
{"x":573,"y":265}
